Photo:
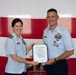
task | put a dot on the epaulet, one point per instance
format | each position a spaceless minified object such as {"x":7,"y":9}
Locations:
{"x":23,"y":41}
{"x":10,"y":37}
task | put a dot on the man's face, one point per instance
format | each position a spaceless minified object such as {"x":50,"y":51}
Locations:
{"x":52,"y":18}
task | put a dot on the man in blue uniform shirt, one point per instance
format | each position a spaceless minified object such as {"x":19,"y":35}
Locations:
{"x":59,"y":43}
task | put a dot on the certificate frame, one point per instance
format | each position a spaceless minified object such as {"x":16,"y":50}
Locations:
{"x":40,"y":53}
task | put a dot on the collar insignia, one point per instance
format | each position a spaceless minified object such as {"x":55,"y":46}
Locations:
{"x":10,"y":36}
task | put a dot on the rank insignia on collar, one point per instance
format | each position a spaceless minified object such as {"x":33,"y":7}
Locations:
{"x":55,"y":44}
{"x":10,"y":36}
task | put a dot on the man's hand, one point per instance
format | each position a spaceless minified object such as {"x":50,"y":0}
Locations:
{"x":49,"y":62}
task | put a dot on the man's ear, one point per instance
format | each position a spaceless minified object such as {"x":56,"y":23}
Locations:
{"x":57,"y":17}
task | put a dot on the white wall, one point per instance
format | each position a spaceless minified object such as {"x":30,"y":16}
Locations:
{"x":36,"y":8}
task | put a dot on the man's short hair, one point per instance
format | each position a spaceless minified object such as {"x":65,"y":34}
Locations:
{"x":52,"y":10}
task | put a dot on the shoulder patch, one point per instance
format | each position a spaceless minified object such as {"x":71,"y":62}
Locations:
{"x":10,"y":37}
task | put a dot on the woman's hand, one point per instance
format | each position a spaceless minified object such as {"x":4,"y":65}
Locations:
{"x":34,"y":63}
{"x":30,"y":47}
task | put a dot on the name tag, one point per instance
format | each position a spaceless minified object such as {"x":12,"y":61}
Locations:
{"x":45,"y":36}
{"x":18,"y":43}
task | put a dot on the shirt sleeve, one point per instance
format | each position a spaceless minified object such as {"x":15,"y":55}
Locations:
{"x":43,"y":37}
{"x":68,"y":43}
{"x":45,"y":33}
{"x":10,"y":47}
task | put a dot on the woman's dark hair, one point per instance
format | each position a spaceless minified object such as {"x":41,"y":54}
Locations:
{"x":15,"y":21}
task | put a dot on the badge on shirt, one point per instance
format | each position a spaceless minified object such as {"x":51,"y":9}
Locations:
{"x":55,"y":44}
{"x":58,"y":36}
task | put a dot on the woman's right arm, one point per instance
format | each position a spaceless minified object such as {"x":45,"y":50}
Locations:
{"x":19,"y":59}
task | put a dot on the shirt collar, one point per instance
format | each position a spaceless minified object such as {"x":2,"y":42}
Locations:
{"x":56,"y":29}
{"x":14,"y":35}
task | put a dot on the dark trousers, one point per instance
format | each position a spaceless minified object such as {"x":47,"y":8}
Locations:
{"x":16,"y":74}
{"x":60,"y":68}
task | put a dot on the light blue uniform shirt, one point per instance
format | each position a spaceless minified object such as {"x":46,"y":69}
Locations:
{"x":15,"y":46}
{"x":63,"y":44}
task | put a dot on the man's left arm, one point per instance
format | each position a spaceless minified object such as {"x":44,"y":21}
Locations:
{"x":65,"y":55}
{"x":61,"y":57}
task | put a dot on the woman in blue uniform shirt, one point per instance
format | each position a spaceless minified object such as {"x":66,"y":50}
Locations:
{"x":16,"y":50}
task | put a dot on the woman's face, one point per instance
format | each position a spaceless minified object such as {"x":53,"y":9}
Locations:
{"x":17,"y":29}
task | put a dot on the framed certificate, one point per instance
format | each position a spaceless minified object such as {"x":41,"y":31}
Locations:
{"x":40,"y":53}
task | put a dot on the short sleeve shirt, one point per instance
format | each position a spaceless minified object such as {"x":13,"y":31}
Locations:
{"x":58,"y":41}
{"x":15,"y":45}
